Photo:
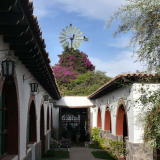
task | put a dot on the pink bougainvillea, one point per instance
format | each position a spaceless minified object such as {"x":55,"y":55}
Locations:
{"x":64,"y":74}
{"x":71,"y":64}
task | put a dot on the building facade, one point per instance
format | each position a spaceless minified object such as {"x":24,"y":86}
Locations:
{"x":118,"y":112}
{"x":26,"y":116}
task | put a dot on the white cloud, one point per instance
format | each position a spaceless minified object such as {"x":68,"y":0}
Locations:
{"x":97,"y":9}
{"x":123,"y":63}
{"x":120,"y":42}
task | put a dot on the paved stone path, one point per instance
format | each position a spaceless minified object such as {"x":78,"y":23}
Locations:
{"x":81,"y":153}
{"x":78,"y":153}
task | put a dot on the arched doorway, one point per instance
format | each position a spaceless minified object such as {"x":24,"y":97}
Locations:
{"x":32,"y":133}
{"x":48,"y":118}
{"x":42,"y":135}
{"x":107,"y":120}
{"x":122,"y":124}
{"x":99,"y":122}
{"x":9,"y":118}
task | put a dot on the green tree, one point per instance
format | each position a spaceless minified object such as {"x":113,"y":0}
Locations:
{"x":142,"y":19}
{"x":87,"y":83}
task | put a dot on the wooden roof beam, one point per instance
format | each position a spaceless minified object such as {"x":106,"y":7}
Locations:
{"x":7,"y":5}
{"x":10,"y":18}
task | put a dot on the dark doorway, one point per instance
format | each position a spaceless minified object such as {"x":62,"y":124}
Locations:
{"x":74,"y":123}
{"x":42,"y":135}
{"x":99,"y":121}
{"x":9,"y":118}
{"x":108,"y":120}
{"x":32,"y":132}
{"x":122,"y":125}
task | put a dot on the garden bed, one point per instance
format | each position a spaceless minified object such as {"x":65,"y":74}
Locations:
{"x":103,"y":155}
{"x":58,"y":154}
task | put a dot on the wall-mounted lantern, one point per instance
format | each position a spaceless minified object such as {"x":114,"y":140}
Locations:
{"x":45,"y":97}
{"x":8,"y":68}
{"x":52,"y":101}
{"x":34,"y":87}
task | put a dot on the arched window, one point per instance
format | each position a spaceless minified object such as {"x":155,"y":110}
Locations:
{"x":42,"y":135}
{"x":9,"y":118}
{"x":32,"y":134}
{"x":48,"y":118}
{"x":99,"y":122}
{"x":107,"y":120}
{"x":122,"y":124}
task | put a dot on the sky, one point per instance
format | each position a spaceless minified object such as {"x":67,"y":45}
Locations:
{"x":107,"y":53}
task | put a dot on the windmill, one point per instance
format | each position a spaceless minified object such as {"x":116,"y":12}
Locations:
{"x":71,"y":37}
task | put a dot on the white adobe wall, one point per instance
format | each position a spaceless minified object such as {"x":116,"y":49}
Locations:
{"x":130,"y":95}
{"x":24,"y":96}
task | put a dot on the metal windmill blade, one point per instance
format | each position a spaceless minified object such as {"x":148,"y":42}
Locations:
{"x":79,"y":34}
{"x":79,"y":38}
{"x":65,"y":44}
{"x":64,"y":32}
{"x":71,"y":37}
{"x":62,"y":38}
{"x":78,"y":41}
{"x":67,"y":29}
{"x":77,"y":31}
{"x":74,"y":29}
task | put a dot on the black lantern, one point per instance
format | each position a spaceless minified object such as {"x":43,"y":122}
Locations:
{"x":51,"y":100}
{"x":34,"y":87}
{"x":7,"y":68}
{"x":45,"y":97}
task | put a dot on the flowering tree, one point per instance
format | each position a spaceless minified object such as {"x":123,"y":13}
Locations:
{"x":76,"y":75}
{"x":75,"y":60}
{"x":71,"y":64}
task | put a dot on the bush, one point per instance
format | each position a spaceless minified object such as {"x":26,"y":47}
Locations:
{"x":63,"y":143}
{"x":87,"y":83}
{"x":117,"y":148}
{"x":99,"y":142}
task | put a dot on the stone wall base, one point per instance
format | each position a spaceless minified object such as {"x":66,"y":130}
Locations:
{"x":136,"y":151}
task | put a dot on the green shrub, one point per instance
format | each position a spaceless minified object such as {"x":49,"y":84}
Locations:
{"x":97,"y":140}
{"x":117,"y":148}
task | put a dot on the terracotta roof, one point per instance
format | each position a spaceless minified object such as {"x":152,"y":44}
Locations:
{"x":21,"y":30}
{"x":119,"y":81}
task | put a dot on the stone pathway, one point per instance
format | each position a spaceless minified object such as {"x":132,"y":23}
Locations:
{"x":81,"y":153}
{"x":78,"y":153}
